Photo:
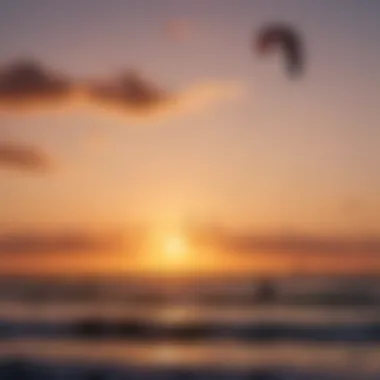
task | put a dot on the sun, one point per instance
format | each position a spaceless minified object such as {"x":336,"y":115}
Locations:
{"x":175,"y":252}
{"x":166,"y":252}
{"x":175,"y":248}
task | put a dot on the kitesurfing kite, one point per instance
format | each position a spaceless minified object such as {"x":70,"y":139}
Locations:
{"x":276,"y":37}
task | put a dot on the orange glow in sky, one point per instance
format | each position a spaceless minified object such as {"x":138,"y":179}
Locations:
{"x":175,"y":248}
{"x":214,"y":133}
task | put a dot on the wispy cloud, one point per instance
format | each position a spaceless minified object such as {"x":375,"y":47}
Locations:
{"x":24,"y":158}
{"x":133,"y":96}
{"x":25,"y":85}
{"x":293,"y":244}
{"x":29,"y":86}
{"x":57,"y":243}
{"x":303,"y":244}
{"x":129,"y":93}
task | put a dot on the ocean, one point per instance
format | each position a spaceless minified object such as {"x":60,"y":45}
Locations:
{"x":200,"y":328}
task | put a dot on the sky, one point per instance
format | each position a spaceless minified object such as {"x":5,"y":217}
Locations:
{"x":238,"y":144}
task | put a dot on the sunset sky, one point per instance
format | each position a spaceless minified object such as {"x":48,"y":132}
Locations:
{"x":238,"y":145}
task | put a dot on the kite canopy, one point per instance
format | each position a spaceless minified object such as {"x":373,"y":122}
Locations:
{"x":285,"y":38}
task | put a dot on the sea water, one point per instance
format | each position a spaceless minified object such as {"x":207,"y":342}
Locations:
{"x":322,"y":328}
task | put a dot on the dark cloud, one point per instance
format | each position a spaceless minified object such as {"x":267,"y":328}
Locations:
{"x":63,"y":242}
{"x":25,"y":158}
{"x":26,"y":83}
{"x":132,"y":96}
{"x":129,"y":91}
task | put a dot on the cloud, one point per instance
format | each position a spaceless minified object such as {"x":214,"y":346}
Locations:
{"x":29,"y":86}
{"x":133,"y":96}
{"x":26,"y":84}
{"x":130,"y":92}
{"x":309,"y":244}
{"x":57,"y":243}
{"x":25,"y":158}
{"x":301,"y":244}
